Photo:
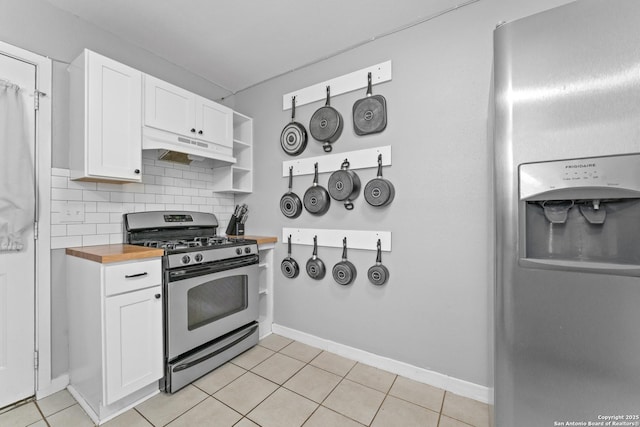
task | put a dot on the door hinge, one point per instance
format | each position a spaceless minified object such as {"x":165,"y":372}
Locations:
{"x":35,"y":230}
{"x":36,"y":359}
{"x":36,"y":100}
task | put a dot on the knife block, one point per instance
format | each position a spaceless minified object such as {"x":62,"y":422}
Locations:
{"x":234,"y":228}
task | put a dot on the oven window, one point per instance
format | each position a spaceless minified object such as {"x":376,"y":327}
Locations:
{"x":216,"y":299}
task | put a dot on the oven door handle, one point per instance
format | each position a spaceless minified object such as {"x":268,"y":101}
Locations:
{"x":183,"y":366}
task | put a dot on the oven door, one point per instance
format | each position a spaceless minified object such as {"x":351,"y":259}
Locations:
{"x":205,"y":303}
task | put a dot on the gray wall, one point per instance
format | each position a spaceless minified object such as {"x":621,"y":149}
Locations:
{"x":433,"y":311}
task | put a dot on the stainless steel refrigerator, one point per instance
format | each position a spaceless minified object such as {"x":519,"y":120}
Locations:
{"x":567,"y":191}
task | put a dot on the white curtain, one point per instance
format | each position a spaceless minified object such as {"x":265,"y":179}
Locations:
{"x":17,"y":196}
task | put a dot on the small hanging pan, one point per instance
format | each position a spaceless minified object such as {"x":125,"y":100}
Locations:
{"x":316,"y":199}
{"x":326,"y":124}
{"x":315,"y":267}
{"x":370,"y":113}
{"x":378,"y":274}
{"x":344,"y":272}
{"x":289,"y":266}
{"x":379,"y":192}
{"x":290,"y":203}
{"x":344,"y":185}
{"x":293,"y":138}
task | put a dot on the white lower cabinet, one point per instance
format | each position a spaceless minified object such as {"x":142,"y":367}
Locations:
{"x":133,"y":323}
{"x":115,"y":333}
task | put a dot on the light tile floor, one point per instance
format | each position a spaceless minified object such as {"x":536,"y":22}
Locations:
{"x":279,"y":383}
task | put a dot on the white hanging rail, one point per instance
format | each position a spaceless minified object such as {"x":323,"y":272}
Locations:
{"x":356,"y":239}
{"x":380,"y":73}
{"x":360,"y":159}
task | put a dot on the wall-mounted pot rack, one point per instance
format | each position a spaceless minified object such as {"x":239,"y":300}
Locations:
{"x":356,"y":239}
{"x":380,"y":73}
{"x":359,"y":159}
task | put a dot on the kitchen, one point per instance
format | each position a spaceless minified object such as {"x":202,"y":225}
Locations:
{"x":435,"y":312}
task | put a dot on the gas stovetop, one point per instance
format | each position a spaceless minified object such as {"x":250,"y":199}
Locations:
{"x":204,"y":242}
{"x":188,"y":238}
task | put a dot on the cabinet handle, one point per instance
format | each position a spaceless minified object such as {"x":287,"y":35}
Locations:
{"x":136,"y":171}
{"x":200,"y":132}
{"x":193,"y":130}
{"x":158,"y":296}
{"x":131,"y":276}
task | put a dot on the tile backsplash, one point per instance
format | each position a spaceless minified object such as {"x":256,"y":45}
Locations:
{"x":90,"y":213}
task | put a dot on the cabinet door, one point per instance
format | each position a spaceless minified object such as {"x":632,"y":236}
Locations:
{"x":133,"y":342}
{"x":114,"y":116}
{"x":214,"y":122}
{"x":168,"y":107}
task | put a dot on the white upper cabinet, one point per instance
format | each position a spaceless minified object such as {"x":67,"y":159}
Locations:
{"x":105,"y":120}
{"x":171,"y":108}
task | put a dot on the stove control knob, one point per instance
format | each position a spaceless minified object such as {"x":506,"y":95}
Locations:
{"x":239,"y":251}
{"x":186,"y":259}
{"x":198,"y":258}
{"x":247,"y":250}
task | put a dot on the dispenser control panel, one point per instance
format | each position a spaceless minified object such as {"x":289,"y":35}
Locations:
{"x":539,"y":180}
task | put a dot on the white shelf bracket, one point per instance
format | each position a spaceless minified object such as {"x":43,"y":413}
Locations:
{"x":356,"y":239}
{"x":360,"y":159}
{"x":380,"y":73}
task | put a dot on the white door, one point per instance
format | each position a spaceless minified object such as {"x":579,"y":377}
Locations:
{"x":114,"y":113}
{"x":214,"y":122}
{"x":168,"y":107}
{"x":133,"y":342}
{"x":17,"y":277}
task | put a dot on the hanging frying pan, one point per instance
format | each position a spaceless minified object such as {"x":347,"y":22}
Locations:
{"x":293,"y":138}
{"x":326,"y":124}
{"x":378,"y":274}
{"x":290,"y":203}
{"x":379,"y":192}
{"x":316,"y":199}
{"x":344,"y":185}
{"x":315,"y":267}
{"x":289,"y":266}
{"x":370,"y":113}
{"x":344,"y":272}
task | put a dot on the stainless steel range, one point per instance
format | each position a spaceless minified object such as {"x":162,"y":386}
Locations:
{"x":210,"y":287}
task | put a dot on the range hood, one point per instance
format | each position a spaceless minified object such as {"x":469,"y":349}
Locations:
{"x":182,"y":149}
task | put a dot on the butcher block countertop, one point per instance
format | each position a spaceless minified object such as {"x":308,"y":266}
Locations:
{"x":105,"y":254}
{"x":262,"y":240}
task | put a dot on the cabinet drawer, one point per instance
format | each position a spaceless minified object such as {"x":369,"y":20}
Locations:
{"x":131,"y":276}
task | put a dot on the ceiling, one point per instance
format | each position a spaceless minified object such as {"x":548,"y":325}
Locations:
{"x":236,"y":44}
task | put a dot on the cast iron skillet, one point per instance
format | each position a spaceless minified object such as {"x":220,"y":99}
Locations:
{"x":326,"y":124}
{"x":315,"y":267}
{"x":290,"y":203}
{"x":378,"y":274}
{"x":370,"y":113}
{"x":344,"y":272}
{"x":289,"y":266}
{"x":344,"y":185}
{"x":293,"y":138}
{"x":379,"y":192}
{"x":316,"y":199}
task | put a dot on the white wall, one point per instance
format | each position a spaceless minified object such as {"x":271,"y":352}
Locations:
{"x":433,"y":312}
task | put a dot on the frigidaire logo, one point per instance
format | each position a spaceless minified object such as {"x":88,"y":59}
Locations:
{"x":581,"y":165}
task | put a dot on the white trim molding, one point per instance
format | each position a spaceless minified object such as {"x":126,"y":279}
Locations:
{"x":436,"y":379}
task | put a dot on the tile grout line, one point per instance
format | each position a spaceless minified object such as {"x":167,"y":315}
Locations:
{"x":42,"y":414}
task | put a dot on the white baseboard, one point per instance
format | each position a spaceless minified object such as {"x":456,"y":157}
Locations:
{"x":436,"y":379}
{"x":56,"y":385}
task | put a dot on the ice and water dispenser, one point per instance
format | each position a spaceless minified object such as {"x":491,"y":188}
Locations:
{"x":581,"y":214}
